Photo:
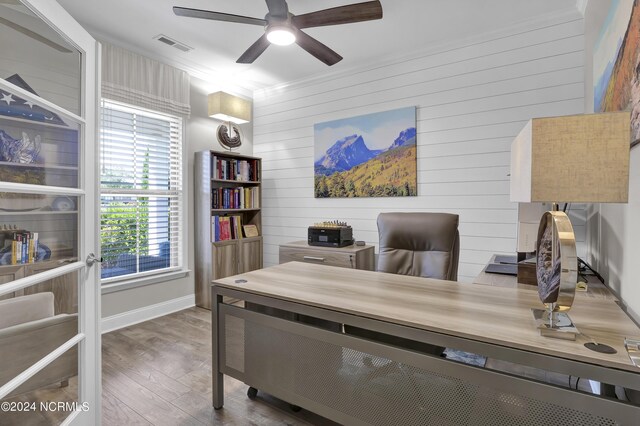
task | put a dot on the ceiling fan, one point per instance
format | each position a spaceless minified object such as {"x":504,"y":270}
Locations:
{"x":283,"y":28}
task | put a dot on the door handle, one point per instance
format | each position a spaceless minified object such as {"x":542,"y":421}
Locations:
{"x":314,"y":258}
{"x":91,"y":259}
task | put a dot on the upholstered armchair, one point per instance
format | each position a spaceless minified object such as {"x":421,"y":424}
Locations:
{"x":29,"y":330}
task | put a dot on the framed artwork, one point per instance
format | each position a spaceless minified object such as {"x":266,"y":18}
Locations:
{"x":616,"y":58}
{"x":371,"y":155}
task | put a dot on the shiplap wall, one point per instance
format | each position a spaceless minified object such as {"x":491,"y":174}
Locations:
{"x":53,"y":75}
{"x":472,"y":99}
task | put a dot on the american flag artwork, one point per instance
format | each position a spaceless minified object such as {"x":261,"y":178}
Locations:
{"x":14,"y":106}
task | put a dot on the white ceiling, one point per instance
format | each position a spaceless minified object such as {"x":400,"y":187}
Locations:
{"x":407,"y":25}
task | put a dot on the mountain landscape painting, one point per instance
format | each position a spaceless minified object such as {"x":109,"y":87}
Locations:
{"x":616,"y":61}
{"x":371,"y":155}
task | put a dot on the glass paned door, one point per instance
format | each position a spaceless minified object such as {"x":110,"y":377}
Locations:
{"x":49,"y":303}
{"x":27,"y":43}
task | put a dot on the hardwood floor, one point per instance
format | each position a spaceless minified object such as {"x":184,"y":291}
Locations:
{"x":34,"y":415}
{"x":159,"y":373}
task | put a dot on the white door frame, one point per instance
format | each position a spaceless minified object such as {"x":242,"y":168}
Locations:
{"x":89,"y":308}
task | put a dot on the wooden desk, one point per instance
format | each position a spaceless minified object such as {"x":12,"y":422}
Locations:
{"x":595,"y":288}
{"x":296,"y":361}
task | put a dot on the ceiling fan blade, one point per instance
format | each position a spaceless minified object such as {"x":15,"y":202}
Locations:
{"x":217,"y":16}
{"x":317,"y":49}
{"x":34,"y":35}
{"x":254,"y":51}
{"x":359,"y":12}
{"x":278,"y":8}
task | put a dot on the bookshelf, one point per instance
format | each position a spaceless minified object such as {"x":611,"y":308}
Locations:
{"x":228,"y":196}
{"x":45,"y":225}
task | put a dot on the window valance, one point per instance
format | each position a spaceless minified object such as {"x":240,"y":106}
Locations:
{"x":137,"y":80}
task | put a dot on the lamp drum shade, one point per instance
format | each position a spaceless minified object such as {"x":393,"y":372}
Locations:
{"x":226,"y":107}
{"x":577,"y":158}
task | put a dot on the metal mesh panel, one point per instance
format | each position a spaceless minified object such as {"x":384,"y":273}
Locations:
{"x":234,"y":342}
{"x":383,"y":392}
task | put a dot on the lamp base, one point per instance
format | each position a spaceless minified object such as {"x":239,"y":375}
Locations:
{"x":225,"y":137}
{"x":560,"y":328}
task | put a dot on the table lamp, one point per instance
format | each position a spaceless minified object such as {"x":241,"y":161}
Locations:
{"x":579,"y":159}
{"x":231,"y":109}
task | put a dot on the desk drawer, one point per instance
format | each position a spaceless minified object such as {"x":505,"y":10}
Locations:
{"x":320,"y":257}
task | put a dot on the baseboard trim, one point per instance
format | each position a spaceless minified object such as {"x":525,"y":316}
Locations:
{"x":146,"y":313}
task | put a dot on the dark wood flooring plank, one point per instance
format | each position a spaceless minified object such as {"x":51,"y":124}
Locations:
{"x":191,"y":318}
{"x":181,"y":331}
{"x":199,"y":406}
{"x":150,"y":406}
{"x":22,"y":418}
{"x":198,"y":313}
{"x":187,"y":339}
{"x":53,"y":394}
{"x":117,"y":413}
{"x":147,"y":376}
{"x":155,"y":381}
{"x":198,"y":381}
{"x":164,"y":356}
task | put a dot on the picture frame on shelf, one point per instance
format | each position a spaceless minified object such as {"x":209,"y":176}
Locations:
{"x":250,"y":231}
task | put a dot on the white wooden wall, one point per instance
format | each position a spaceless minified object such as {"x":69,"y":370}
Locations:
{"x":53,"y":75}
{"x":472,"y":99}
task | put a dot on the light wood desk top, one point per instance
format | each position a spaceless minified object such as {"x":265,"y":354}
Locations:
{"x":595,"y":289}
{"x":488,"y":314}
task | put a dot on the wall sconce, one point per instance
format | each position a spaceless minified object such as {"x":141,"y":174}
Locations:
{"x":232,"y":109}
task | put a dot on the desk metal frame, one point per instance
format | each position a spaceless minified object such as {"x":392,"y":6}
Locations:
{"x":613,"y":411}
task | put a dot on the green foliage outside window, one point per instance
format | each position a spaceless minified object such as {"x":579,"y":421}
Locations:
{"x":124,"y":223}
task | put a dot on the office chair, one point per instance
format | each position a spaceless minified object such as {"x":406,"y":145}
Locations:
{"x":419,"y":244}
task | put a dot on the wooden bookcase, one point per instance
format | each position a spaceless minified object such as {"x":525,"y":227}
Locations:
{"x":219,"y":259}
{"x":54,"y":218}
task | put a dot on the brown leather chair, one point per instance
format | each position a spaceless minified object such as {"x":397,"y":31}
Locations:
{"x":419,"y":244}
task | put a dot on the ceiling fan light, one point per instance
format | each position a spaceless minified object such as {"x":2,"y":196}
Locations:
{"x":282,"y":36}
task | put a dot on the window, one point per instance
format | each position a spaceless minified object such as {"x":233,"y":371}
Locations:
{"x":141,"y":191}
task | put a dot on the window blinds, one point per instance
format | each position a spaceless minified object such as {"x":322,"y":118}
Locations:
{"x":141,"y":190}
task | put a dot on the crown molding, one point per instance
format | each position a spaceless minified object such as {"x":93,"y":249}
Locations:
{"x":542,"y":21}
{"x":581,"y":5}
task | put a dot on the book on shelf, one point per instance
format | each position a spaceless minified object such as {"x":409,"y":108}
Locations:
{"x":235,"y":198}
{"x":215,"y":227}
{"x":224,"y":228}
{"x":235,"y":169}
{"x":24,"y":246}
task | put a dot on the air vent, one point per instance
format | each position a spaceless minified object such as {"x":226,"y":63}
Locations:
{"x":166,"y":40}
{"x":182,"y":47}
{"x":173,"y":43}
